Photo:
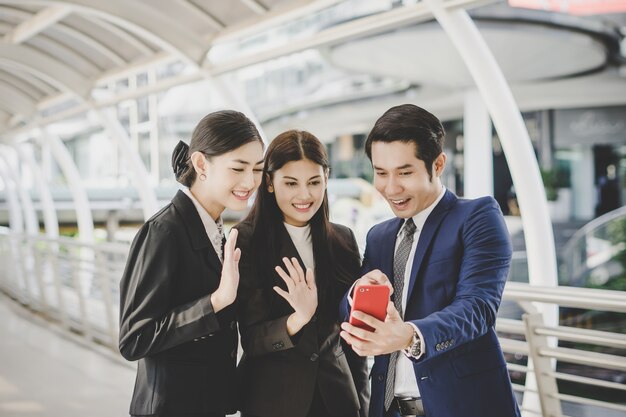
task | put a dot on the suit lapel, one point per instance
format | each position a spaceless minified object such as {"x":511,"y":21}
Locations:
{"x":428,"y":232}
{"x":195,"y":229}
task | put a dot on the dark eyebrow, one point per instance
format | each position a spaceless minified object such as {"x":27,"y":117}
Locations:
{"x":241,"y":161}
{"x":295,"y":179}
{"x":405,"y":166}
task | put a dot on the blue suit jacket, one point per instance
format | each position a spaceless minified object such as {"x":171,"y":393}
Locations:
{"x":457,"y":278}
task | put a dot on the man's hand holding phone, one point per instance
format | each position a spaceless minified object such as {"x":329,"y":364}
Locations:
{"x":381,"y":331}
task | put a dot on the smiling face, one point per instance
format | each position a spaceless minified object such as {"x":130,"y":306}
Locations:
{"x":299,"y":188}
{"x":403,"y":179}
{"x":231,"y":178}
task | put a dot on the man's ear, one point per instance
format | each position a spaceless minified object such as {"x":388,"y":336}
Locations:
{"x":439,"y":164}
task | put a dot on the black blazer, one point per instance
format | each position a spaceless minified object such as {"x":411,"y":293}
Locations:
{"x":278,"y":374}
{"x":187,"y":354}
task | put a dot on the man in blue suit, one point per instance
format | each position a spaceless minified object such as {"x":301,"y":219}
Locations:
{"x":446,"y":260}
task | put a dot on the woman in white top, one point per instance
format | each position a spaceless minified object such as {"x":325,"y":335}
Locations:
{"x":294,"y":364}
{"x":176,"y":313}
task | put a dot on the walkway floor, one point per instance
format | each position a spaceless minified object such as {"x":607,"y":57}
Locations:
{"x":45,"y":374}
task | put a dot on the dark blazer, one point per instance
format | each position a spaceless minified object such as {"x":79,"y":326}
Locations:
{"x":278,"y":374}
{"x":187,"y":353}
{"x":457,"y":278}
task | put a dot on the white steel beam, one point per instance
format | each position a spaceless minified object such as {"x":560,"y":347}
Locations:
{"x":147,"y":22}
{"x":68,"y":31}
{"x":84,"y":218}
{"x":286,"y":12}
{"x":18,"y":71}
{"x":365,"y":26}
{"x":51,"y":222}
{"x":140,"y":177}
{"x":517,"y":147}
{"x":36,"y":24}
{"x":49,"y":69}
{"x":515,"y":140}
{"x":8,"y":157}
{"x":209,"y":18}
{"x":16,"y":100}
{"x":103,"y":50}
{"x":18,"y":83}
{"x":120,"y":33}
{"x":255,"y":6}
{"x":16,"y":221}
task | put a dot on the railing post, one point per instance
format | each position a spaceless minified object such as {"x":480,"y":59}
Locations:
{"x":546,"y":383}
{"x":102,"y":275}
{"x":78,"y":282}
{"x":55,"y":265}
{"x":37,"y":270}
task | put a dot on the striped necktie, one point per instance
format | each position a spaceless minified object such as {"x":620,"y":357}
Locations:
{"x":400,"y":259}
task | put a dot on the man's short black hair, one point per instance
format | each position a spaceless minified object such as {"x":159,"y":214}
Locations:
{"x":410,"y":124}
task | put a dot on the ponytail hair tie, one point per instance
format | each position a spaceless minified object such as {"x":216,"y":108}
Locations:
{"x":180,"y":159}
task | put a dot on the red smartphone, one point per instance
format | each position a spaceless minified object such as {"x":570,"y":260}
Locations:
{"x":371,"y":300}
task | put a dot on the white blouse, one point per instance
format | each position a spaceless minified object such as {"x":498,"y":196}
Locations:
{"x":301,"y":238}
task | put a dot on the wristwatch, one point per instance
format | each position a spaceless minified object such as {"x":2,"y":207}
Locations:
{"x":414,"y":349}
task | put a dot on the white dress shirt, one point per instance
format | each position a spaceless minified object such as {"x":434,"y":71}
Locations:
{"x":301,"y":238}
{"x":214,"y":230}
{"x":405,"y":384}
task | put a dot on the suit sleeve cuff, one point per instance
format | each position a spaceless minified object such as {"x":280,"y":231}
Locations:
{"x":210,"y":318}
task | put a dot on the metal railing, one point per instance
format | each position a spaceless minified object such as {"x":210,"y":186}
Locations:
{"x":552,"y":346}
{"x":73,"y":283}
{"x":76,"y":285}
{"x":591,"y":254}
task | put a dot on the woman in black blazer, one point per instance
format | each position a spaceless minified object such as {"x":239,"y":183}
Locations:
{"x":294,"y":363}
{"x":176,"y":316}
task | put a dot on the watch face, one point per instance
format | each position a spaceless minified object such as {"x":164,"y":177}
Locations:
{"x":416,"y":349}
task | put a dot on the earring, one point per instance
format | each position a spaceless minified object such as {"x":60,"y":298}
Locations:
{"x":202,"y":177}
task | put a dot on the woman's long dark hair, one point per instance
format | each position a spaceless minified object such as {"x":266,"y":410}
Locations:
{"x":334,"y":255}
{"x":216,"y":134}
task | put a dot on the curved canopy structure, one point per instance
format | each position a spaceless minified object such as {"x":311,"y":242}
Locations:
{"x":53,"y":50}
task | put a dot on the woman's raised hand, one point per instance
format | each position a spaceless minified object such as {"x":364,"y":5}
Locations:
{"x":227,"y":291}
{"x":301,"y":293}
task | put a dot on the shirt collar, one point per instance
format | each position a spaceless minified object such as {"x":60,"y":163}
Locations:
{"x":420,"y":218}
{"x":211,"y":226}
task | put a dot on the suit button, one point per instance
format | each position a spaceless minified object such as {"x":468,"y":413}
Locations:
{"x":233,"y":325}
{"x":314,"y":357}
{"x":196,"y":339}
{"x":380,"y":377}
